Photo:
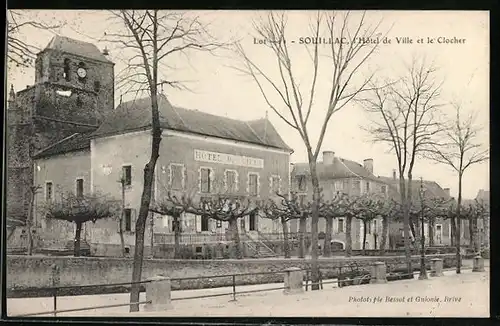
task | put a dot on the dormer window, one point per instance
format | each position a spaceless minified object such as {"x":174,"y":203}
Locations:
{"x":66,"y":73}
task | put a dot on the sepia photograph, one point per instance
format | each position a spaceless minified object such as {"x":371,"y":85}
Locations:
{"x":249,"y":163}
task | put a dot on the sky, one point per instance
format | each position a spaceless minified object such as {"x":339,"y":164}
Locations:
{"x":217,"y":88}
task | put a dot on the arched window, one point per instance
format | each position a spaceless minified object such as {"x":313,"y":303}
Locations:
{"x":67,"y":63}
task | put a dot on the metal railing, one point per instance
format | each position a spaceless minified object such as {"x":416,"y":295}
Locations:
{"x":57,"y":289}
{"x":353,"y":274}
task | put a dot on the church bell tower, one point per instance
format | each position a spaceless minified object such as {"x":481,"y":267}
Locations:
{"x":73,"y":93}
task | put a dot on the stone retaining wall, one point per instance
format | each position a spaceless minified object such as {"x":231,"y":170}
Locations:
{"x":28,"y":272}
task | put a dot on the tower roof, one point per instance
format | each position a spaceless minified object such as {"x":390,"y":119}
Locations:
{"x":69,"y":45}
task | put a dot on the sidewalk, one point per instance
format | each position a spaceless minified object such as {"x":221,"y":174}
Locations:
{"x":471,"y":289}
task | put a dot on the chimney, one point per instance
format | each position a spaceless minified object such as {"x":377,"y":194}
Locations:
{"x":328,"y":157}
{"x":447,"y":192}
{"x":394,"y":174}
{"x":368,"y":164}
{"x":105,"y":51}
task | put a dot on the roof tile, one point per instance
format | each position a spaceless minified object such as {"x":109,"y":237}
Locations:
{"x":136,"y":115}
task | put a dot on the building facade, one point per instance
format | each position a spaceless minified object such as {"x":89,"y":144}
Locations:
{"x":338,"y":175}
{"x":431,"y":190}
{"x":201,"y":155}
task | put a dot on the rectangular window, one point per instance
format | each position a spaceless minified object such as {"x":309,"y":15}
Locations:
{"x":302,"y":182}
{"x":252,"y":222}
{"x":356,"y":187}
{"x":48,"y":191}
{"x":345,"y":185}
{"x":231,"y":181}
{"x":205,"y":180}
{"x":275,"y":179}
{"x":383,"y":189}
{"x":176,"y":171}
{"x":439,"y":233}
{"x":341,"y":225}
{"x":127,"y":216}
{"x":127,"y":175}
{"x":369,"y":227}
{"x":252,"y":184}
{"x":367,"y":188}
{"x":204,"y":223}
{"x":79,"y":187}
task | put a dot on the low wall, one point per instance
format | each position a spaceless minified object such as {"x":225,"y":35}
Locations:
{"x":25,"y":272}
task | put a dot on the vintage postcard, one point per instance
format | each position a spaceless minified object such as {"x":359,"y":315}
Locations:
{"x":247,"y":163}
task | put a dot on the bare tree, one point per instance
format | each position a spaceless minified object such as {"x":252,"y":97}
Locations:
{"x":174,"y":204}
{"x":336,"y":208}
{"x":79,"y":210}
{"x":370,"y":208}
{"x":346,"y":57}
{"x":404,"y":118}
{"x":459,"y":150}
{"x":20,"y":52}
{"x":279,"y":211}
{"x":155,"y":38}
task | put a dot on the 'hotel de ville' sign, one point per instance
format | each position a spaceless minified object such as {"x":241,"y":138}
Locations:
{"x":221,"y":158}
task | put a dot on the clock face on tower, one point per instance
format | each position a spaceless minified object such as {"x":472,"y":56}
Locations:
{"x":82,"y":73}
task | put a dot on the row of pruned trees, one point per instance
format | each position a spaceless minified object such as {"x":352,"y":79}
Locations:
{"x":366,"y":208}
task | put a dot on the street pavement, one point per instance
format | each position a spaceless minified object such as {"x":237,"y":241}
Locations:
{"x":463,"y":295}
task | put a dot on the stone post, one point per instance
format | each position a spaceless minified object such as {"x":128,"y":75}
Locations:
{"x":294,"y":278}
{"x":378,"y":273}
{"x":436,"y":267}
{"x":478,"y":264}
{"x":158,"y":292}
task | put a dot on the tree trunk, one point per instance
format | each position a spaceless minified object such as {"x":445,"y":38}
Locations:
{"x":383,"y":241}
{"x":486,"y":231}
{"x":348,"y":236}
{"x":314,"y":226}
{"x":286,"y":243}
{"x":177,"y":236}
{"x":431,"y":231}
{"x":459,"y":224}
{"x":453,"y":231}
{"x":471,"y":233}
{"x":29,"y":222}
{"x":76,"y":247}
{"x":363,"y":252}
{"x":140,"y":225}
{"x":327,"y":250}
{"x":120,"y":222}
{"x":302,"y":231}
{"x":406,"y":223}
{"x":475,"y":236}
{"x":236,"y":253}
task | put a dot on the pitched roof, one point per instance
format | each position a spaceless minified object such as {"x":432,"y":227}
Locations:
{"x":483,"y":195}
{"x":341,"y":168}
{"x":432,"y":188}
{"x":75,"y":142}
{"x":136,"y":115}
{"x":69,"y":45}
